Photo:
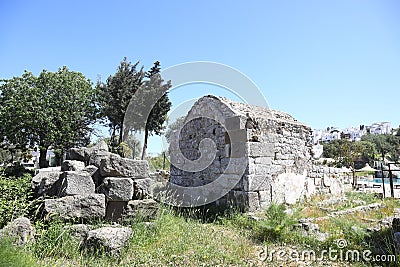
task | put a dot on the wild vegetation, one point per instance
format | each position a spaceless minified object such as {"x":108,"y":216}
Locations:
{"x":181,"y":237}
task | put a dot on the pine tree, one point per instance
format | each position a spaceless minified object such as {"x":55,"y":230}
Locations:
{"x":158,"y":114}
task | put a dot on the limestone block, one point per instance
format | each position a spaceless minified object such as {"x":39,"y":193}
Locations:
{"x":263,"y":160}
{"x":20,"y":231}
{"x":95,"y":159}
{"x":234,"y":123}
{"x":238,"y":150}
{"x":86,"y":207}
{"x":84,"y":153}
{"x":74,"y":183}
{"x":265,"y":199}
{"x":93,"y":172}
{"x":237,"y":136}
{"x":43,"y":183}
{"x":72,"y":165}
{"x":336,"y":186}
{"x":142,"y":187}
{"x":253,"y":182}
{"x":116,"y":166}
{"x":76,"y":154}
{"x":258,"y":149}
{"x":146,"y":209}
{"x":110,"y":239}
{"x":253,"y":201}
{"x":117,"y":189}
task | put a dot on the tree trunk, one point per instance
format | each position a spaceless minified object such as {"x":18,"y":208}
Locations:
{"x":121,"y":132}
{"x":354,"y":179}
{"x":146,"y":135}
{"x":42,"y":158}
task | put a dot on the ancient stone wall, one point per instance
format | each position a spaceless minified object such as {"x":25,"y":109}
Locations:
{"x":275,"y":147}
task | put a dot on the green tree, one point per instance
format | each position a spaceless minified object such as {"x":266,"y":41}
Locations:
{"x":55,"y":109}
{"x":158,"y":114}
{"x":386,"y":144}
{"x":347,"y":153}
{"x":115,"y":96}
{"x":173,"y":127}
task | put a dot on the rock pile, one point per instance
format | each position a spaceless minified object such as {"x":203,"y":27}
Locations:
{"x":94,"y":183}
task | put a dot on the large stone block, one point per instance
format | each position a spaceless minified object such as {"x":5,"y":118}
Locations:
{"x":258,"y":149}
{"x":84,"y":153}
{"x":234,"y":123}
{"x":142,"y":187}
{"x":237,"y":136}
{"x":238,"y":150}
{"x":86,"y":207}
{"x":254,"y":182}
{"x":74,"y":183}
{"x":76,"y":154}
{"x":145,"y":209}
{"x":117,"y":188}
{"x":109,"y":239}
{"x":96,"y":159}
{"x":43,"y":183}
{"x":288,"y":188}
{"x":72,"y":165}
{"x":116,"y":166}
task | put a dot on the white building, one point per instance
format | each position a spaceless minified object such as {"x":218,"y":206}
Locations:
{"x":380,"y":128}
{"x":350,"y":133}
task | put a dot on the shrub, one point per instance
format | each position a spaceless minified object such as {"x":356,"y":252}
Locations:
{"x":16,"y":198}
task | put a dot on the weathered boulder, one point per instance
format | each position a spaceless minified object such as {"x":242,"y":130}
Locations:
{"x":117,"y":188}
{"x":72,"y":165}
{"x":79,"y":231}
{"x":145,"y":208}
{"x":74,"y":183}
{"x":43,"y":183}
{"x":100,"y":146}
{"x":95,"y":159}
{"x":116,"y":166}
{"x":142,"y":187}
{"x":93,"y":172}
{"x":87,"y":207}
{"x":20,"y":231}
{"x":84,"y":153}
{"x":110,"y":239}
{"x":76,"y":154}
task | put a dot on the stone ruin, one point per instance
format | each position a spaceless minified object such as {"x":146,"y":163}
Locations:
{"x":275,"y":146}
{"x":95,"y":184}
{"x":275,"y":149}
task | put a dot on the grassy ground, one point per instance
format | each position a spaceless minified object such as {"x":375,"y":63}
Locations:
{"x":177,"y":239}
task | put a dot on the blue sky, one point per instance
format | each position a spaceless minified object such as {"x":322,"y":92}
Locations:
{"x":327,"y":63}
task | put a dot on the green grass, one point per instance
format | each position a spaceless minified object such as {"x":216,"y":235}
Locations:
{"x":185,"y":238}
{"x":11,"y":256}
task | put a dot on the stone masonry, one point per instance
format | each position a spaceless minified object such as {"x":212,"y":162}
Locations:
{"x":275,"y":147}
{"x":94,"y":184}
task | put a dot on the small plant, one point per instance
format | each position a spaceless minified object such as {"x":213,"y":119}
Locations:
{"x":276,"y":224}
{"x":15,"y":198}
